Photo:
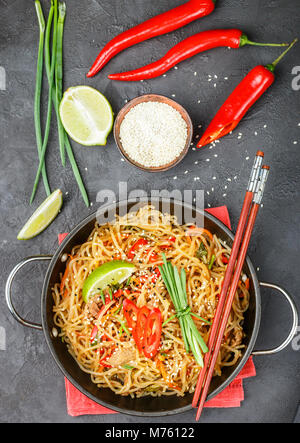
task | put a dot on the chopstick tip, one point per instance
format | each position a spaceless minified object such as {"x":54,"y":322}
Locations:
{"x":260,"y":154}
{"x":266,"y":167}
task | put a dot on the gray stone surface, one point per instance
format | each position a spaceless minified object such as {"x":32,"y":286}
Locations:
{"x":31,"y":386}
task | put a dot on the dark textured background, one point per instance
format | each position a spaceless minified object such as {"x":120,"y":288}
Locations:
{"x":31,"y":386}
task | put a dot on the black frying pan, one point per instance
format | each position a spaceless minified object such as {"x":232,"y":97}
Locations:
{"x":147,"y":406}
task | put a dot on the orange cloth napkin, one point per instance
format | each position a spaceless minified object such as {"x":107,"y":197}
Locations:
{"x":231,"y":397}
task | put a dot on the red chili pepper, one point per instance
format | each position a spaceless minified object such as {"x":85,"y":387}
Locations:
{"x":153,"y":257}
{"x":103,"y":361}
{"x":240,"y":101}
{"x":161,"y":24}
{"x":121,"y":292}
{"x":140,"y":327}
{"x":137,"y":244}
{"x":225,"y":259}
{"x":170,"y":241}
{"x":152,"y":333}
{"x":233,"y":38}
{"x":131,"y":312}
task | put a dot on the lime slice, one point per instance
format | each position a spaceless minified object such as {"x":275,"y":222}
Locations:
{"x":86,"y":115}
{"x":42,"y":217}
{"x":111,"y":273}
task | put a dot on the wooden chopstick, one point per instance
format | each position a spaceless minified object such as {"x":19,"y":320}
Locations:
{"x":235,"y":281}
{"x":255,"y":174}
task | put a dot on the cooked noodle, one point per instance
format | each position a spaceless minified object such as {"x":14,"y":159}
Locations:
{"x":177,"y":371}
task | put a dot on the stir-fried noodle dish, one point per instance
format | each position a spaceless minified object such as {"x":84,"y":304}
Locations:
{"x":114,"y":310}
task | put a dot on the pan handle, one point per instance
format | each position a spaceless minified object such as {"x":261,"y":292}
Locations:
{"x":8,"y":296}
{"x":293,"y":331}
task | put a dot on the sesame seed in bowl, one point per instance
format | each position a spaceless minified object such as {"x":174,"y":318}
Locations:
{"x":153,"y":132}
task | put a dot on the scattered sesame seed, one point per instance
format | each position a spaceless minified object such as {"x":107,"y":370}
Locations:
{"x":258,"y":269}
{"x":196,"y":162}
{"x":208,"y":160}
{"x":186,"y":172}
{"x":86,"y":169}
{"x":229,"y":179}
{"x":176,"y":67}
{"x":225,"y":78}
{"x":215,"y":76}
{"x":67,"y":193}
{"x":247,"y":158}
{"x":195,"y":73}
{"x":209,"y":205}
{"x":224,"y":195}
{"x":214,"y":178}
{"x":295,"y":142}
{"x":173,"y":95}
{"x":199,"y":126}
{"x":265,"y":126}
{"x":165,"y":75}
{"x":209,"y":80}
{"x":226,"y":187}
{"x":216,"y":155}
{"x":199,"y":101}
{"x":122,"y":160}
{"x":175,"y":178}
{"x":255,"y":133}
{"x":215,"y":85}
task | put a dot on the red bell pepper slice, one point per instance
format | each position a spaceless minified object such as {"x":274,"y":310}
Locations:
{"x":140,"y":327}
{"x":131,"y":313}
{"x":132,"y":251}
{"x":152,"y":333}
{"x":225,"y":259}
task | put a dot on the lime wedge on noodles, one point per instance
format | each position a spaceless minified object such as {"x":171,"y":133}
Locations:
{"x":42,"y":217}
{"x":111,"y":273}
{"x":86,"y":115}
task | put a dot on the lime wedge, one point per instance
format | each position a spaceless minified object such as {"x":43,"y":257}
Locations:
{"x":111,"y":273}
{"x":86,"y":115}
{"x":42,"y":217}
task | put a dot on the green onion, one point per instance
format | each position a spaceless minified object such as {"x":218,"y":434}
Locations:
{"x":102,"y":297}
{"x":68,"y":146}
{"x":128,"y":367}
{"x":117,"y":312}
{"x":52,"y":17}
{"x":213,"y":259}
{"x":176,"y":287}
{"x":59,"y":77}
{"x":201,"y":318}
{"x":110,"y":294}
{"x":202,"y":251}
{"x":38,"y":90}
{"x":124,"y":328}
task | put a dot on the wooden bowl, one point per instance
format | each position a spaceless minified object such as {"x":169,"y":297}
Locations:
{"x":161,"y":99}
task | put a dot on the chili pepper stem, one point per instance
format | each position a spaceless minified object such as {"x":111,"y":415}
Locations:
{"x":245,"y":41}
{"x":273,"y":65}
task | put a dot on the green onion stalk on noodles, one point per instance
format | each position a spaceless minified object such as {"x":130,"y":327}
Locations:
{"x":176,"y":287}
